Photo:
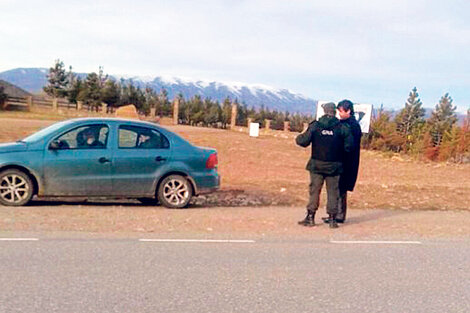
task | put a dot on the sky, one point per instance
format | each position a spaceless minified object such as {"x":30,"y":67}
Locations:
{"x":367,"y":51}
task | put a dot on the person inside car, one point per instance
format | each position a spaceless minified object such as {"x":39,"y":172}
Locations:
{"x":88,"y":138}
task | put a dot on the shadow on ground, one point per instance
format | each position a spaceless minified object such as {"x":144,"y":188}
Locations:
{"x":375,"y":215}
{"x":223,"y":198}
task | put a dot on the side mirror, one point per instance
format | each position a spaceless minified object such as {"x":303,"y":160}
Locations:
{"x":54,"y":145}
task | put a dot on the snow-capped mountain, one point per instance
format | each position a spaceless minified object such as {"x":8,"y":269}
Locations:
{"x":33,"y":79}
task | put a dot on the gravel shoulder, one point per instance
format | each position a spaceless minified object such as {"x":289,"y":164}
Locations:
{"x":131,"y":219}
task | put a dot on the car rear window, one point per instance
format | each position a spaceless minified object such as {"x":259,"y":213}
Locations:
{"x":135,"y":137}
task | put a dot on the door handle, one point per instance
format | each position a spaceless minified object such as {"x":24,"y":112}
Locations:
{"x":160,"y":159}
{"x":104,"y":160}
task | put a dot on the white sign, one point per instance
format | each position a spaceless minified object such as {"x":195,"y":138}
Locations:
{"x":254,"y":129}
{"x":362,"y":112}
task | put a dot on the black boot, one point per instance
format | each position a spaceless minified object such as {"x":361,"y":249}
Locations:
{"x":309,"y":220}
{"x":332,"y":221}
{"x":326,"y":220}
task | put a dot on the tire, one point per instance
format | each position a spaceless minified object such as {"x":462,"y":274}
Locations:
{"x":148,"y":201}
{"x":16,"y":188}
{"x":175,"y":192}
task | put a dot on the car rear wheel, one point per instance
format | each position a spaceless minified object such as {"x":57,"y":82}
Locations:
{"x":175,"y":192}
{"x":16,"y":188}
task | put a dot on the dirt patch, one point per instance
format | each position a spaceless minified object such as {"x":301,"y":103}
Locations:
{"x":271,"y":171}
{"x":276,"y":166}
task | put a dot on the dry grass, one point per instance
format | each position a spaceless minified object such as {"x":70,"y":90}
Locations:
{"x":272,"y":165}
{"x":275,"y":167}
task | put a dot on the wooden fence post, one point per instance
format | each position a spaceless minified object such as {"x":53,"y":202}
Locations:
{"x":55,"y":105}
{"x":286,"y":126}
{"x":153,"y":112}
{"x":267,"y":125}
{"x":176,"y":110}
{"x":233,"y":120}
{"x":79,"y":105}
{"x":29,"y":101}
{"x":104,"y":108}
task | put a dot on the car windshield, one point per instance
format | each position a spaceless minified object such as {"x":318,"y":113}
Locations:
{"x":44,"y":132}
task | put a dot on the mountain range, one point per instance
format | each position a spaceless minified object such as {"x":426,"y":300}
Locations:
{"x":33,"y":79}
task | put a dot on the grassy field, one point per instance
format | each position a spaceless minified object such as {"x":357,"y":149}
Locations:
{"x":270,"y":170}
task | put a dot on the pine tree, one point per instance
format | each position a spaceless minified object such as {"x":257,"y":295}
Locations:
{"x":197,"y":110}
{"x":211,"y":112}
{"x":184,"y":112}
{"x":74,"y":89}
{"x":91,"y":93}
{"x":449,"y":144}
{"x":442,"y":119}
{"x":242,"y":114}
{"x":410,"y":117}
{"x":164,"y":103}
{"x":111,"y":93}
{"x":150,"y":97}
{"x":102,"y":78}
{"x":137,"y":98}
{"x":58,"y":81}
{"x":226,"y":112}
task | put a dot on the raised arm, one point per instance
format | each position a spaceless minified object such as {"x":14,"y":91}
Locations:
{"x":305,"y":138}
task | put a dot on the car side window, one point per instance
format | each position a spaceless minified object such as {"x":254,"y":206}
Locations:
{"x":84,"y":137}
{"x":135,"y":137}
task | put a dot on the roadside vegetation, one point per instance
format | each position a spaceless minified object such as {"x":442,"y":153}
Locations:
{"x":439,"y":137}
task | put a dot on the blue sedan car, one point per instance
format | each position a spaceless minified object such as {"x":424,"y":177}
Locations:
{"x":106,"y":157}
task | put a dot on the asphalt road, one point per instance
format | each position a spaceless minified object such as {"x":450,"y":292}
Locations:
{"x":86,"y":274}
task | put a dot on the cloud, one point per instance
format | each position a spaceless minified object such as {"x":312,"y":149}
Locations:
{"x":318,"y":48}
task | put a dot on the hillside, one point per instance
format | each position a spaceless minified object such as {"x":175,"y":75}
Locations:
{"x":12,"y":90}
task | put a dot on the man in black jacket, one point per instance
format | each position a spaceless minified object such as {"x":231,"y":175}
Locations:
{"x":330,"y":140}
{"x":348,"y":178}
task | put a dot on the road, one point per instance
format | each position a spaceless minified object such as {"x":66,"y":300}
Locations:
{"x":85,"y":273}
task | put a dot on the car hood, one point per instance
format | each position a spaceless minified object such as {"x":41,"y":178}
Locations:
{"x":13,"y":147}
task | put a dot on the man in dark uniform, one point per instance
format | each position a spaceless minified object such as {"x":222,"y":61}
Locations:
{"x":329,"y":139}
{"x":348,"y":178}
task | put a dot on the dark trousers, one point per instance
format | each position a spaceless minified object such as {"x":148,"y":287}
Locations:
{"x":342,"y":205}
{"x":332,"y":189}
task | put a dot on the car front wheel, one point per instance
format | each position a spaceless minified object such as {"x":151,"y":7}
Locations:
{"x":16,"y":188}
{"x":175,"y":192}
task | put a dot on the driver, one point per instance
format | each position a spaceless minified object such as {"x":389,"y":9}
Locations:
{"x":88,"y":138}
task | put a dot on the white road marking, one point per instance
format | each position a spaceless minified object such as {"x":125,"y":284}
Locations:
{"x":376,"y":242}
{"x":198,"y":240}
{"x":19,"y":239}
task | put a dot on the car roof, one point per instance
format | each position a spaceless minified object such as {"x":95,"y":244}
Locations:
{"x":110,"y":119}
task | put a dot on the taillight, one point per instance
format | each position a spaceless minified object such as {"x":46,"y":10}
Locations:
{"x":212,"y":161}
